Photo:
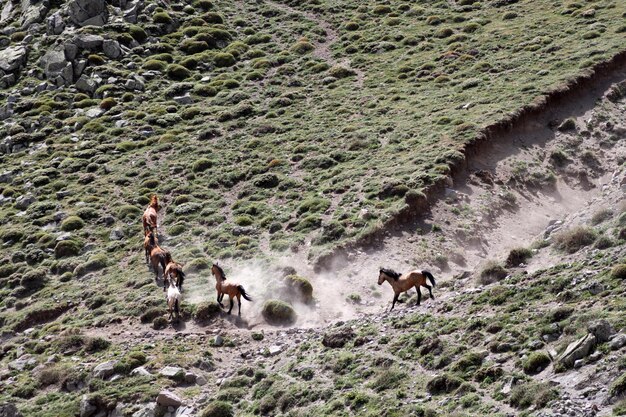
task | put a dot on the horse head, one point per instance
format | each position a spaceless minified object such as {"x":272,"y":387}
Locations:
{"x":154,"y":202}
{"x":381,"y":277}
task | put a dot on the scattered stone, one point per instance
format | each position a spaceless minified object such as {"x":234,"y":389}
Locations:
{"x":595,"y":356}
{"x":145,"y":411}
{"x":173,"y":372}
{"x":186,"y":99}
{"x":168,"y":399}
{"x":140,"y":371}
{"x":274,"y":350}
{"x":602,"y":330}
{"x":218,"y":341}
{"x":111,"y":48}
{"x":201,"y":380}
{"x":87,"y":407}
{"x":104,"y":370}
{"x":55,"y":24}
{"x":12,"y":58}
{"x":87,"y":41}
{"x":86,"y":84}
{"x":95,"y":112}
{"x":22,"y":202}
{"x":33,"y":11}
{"x":190,"y":377}
{"x":88,"y":12}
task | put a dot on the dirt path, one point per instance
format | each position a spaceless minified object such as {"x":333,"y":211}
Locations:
{"x":323,"y":48}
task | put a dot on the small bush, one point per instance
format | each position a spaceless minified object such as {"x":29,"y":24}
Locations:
{"x":96,"y":344}
{"x":137,"y":33}
{"x":72,"y":223}
{"x":387,"y":379}
{"x":154,"y":65}
{"x":34,"y":279}
{"x":536,"y":362}
{"x":302,"y":47}
{"x":206,"y":311}
{"x":278,"y":312}
{"x":67,"y":248}
{"x":601,"y":216}
{"x":518,"y":256}
{"x":224,"y":59}
{"x":603,"y":242}
{"x":162,"y":18}
{"x":159,"y":323}
{"x":443,"y":384}
{"x":618,"y":387}
{"x":492,"y":272}
{"x":619,"y":271}
{"x":178,"y":72}
{"x":339,"y":71}
{"x":524,"y":395}
{"x":108,"y":103}
{"x":381,"y":9}
{"x":95,"y":59}
{"x":300,"y":287}
{"x":574,"y":239}
{"x":218,"y":409}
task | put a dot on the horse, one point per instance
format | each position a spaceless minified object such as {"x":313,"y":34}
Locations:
{"x":158,"y":256}
{"x":404,"y":282}
{"x":149,"y":218}
{"x":173,"y":269}
{"x":232,"y":289}
{"x":173,"y":299}
{"x":147,"y":246}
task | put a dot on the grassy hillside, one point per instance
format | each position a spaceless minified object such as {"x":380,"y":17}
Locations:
{"x":264,"y":127}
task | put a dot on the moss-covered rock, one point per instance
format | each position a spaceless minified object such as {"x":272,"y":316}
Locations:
{"x":278,"y":312}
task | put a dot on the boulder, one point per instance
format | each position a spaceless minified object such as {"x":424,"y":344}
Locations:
{"x":88,"y":12}
{"x":116,"y":234}
{"x":173,"y":372}
{"x":104,"y":370}
{"x":87,"y":41}
{"x":618,"y":341}
{"x":56,"y":66}
{"x":168,"y":399}
{"x":111,"y":48}
{"x":140,"y":371}
{"x":87,"y":407}
{"x":71,"y":50}
{"x":12,"y":58}
{"x":33,"y":11}
{"x":9,"y":410}
{"x":145,"y":411}
{"x":577,"y":350}
{"x":338,"y":338}
{"x":55,"y":24}
{"x":7,"y":11}
{"x":22,"y":363}
{"x":602,"y":330}
{"x":86,"y":84}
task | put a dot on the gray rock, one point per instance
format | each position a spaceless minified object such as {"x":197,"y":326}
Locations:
{"x":116,"y":234}
{"x":201,"y":380}
{"x":24,"y":362}
{"x":79,"y":67}
{"x":578,"y":363}
{"x":595,"y":356}
{"x":55,"y":24}
{"x":9,"y":410}
{"x":71,"y":50}
{"x":7,"y":11}
{"x":104,"y":370}
{"x":173,"y":372}
{"x":111,"y":48}
{"x":140,"y":371}
{"x":218,"y":340}
{"x":95,"y":112}
{"x":12,"y":58}
{"x":23,"y":201}
{"x":602,"y":330}
{"x":168,"y":399}
{"x":33,"y":11}
{"x":130,"y":14}
{"x":86,"y":84}
{"x":184,"y":412}
{"x":87,"y":41}
{"x":145,"y":411}
{"x":190,"y":377}
{"x":87,"y":408}
{"x":186,"y":99}
{"x":6,"y":176}
{"x":577,"y":350}
{"x":54,"y":64}
{"x":88,"y":12}
{"x":618,"y":341}
{"x":275,"y":350}
{"x":135,"y":83}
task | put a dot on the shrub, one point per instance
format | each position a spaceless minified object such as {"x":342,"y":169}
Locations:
{"x":381,"y":9}
{"x":162,"y":18}
{"x":159,"y":323}
{"x":536,"y":362}
{"x":278,"y":312}
{"x":387,"y":379}
{"x":154,"y":65}
{"x":95,"y":263}
{"x":618,"y":387}
{"x":339,"y":71}
{"x":178,"y":72}
{"x":203,"y":4}
{"x":67,"y":248}
{"x":189,"y":113}
{"x":601,"y":216}
{"x":218,"y":409}
{"x":302,"y":47}
{"x":224,"y":59}
{"x":213,"y":18}
{"x":95,"y":59}
{"x":443,"y":384}
{"x":444,"y":33}
{"x":34,"y":279}
{"x":351,"y":26}
{"x":108,"y":103}
{"x":96,"y":344}
{"x":198,"y":264}
{"x":619,"y":271}
{"x":574,"y":239}
{"x":300,"y":287}
{"x":206,"y":310}
{"x":603,"y":242}
{"x":138,"y":33}
{"x":524,"y":395}
{"x":150,"y":314}
{"x":492,"y":272}
{"x":518,"y":256}
{"x":266,"y":181}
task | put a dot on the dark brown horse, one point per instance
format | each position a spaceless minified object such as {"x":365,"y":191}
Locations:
{"x":232,"y":289}
{"x":149,"y":218}
{"x":174,"y":271}
{"x":158,"y":255}
{"x":404,"y":282}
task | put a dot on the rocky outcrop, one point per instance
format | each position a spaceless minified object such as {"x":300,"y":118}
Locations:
{"x":55,"y":24}
{"x":33,"y":11}
{"x":9,"y":410}
{"x":577,"y":350}
{"x":12,"y":59}
{"x":111,"y":48}
{"x":602,"y":330}
{"x":57,"y":69}
{"x":88,"y":12}
{"x":168,"y":399}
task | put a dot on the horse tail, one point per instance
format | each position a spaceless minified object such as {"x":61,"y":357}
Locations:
{"x":181,"y":274}
{"x":176,"y":309}
{"x":429,"y":276}
{"x":243,"y":292}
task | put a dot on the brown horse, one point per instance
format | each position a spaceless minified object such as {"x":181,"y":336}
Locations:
{"x":404,"y":282}
{"x":149,"y":217}
{"x":158,"y":255}
{"x":232,"y":289}
{"x":173,"y":270}
{"x":147,"y":246}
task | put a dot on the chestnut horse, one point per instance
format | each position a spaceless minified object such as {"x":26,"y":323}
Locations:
{"x":158,"y":255}
{"x":232,"y":289}
{"x":404,"y":282}
{"x":149,"y":217}
{"x":173,"y":270}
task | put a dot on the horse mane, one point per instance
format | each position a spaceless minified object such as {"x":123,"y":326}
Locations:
{"x":152,"y":239}
{"x":219,"y":268}
{"x":168,"y":258}
{"x":154,"y":202}
{"x":393,"y":274}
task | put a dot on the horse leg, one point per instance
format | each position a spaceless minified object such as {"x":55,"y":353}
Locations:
{"x":419,"y":295}
{"x":219,"y":299}
{"x":232,"y":303}
{"x":239,"y":303}
{"x":177,"y":309}
{"x":430,"y":290}
{"x":395,"y":298}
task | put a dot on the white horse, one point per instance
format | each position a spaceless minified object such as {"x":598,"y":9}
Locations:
{"x":173,"y":299}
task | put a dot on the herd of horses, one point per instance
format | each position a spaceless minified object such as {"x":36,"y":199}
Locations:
{"x":174,"y":276}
